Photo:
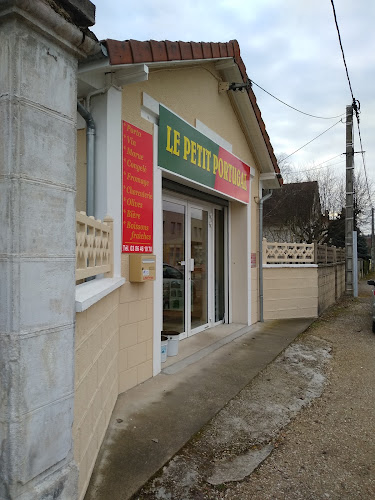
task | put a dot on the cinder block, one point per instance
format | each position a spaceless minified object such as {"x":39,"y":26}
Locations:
{"x":111,"y":325}
{"x":96,"y":341}
{"x":150,"y":308}
{"x":76,"y":445}
{"x":129,"y":292}
{"x":145,"y":330}
{"x":137,"y":354}
{"x":86,"y":432}
{"x":146,"y":290}
{"x":150,"y":351}
{"x":128,"y":335}
{"x":123,"y":360}
{"x":137,"y":311}
{"x":101,"y":428}
{"x":128,"y":379}
{"x":144,"y":371}
{"x":125,"y":266}
{"x":123,"y":314}
{"x":83,"y":477}
{"x":81,"y":327}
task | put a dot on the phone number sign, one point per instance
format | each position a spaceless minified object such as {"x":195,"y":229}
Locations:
{"x":137,"y":190}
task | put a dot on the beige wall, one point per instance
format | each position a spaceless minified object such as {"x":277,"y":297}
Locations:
{"x":255,"y":248}
{"x":113,"y":347}
{"x":290,"y":292}
{"x":239,"y":263}
{"x":201,"y":100}
{"x":136,"y":331}
{"x":301,"y":292}
{"x":114,"y":337}
{"x":96,"y":380}
{"x":199,"y":86}
{"x":331,"y":282}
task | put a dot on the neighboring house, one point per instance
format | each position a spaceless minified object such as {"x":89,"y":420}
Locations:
{"x":293,"y":214}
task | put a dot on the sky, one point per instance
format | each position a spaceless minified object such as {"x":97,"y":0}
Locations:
{"x":291,"y":49}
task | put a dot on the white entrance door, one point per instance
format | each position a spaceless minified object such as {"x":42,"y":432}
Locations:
{"x":187,"y":266}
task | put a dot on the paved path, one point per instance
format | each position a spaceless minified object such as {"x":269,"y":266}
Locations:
{"x":153,"y":421}
{"x":302,"y":429}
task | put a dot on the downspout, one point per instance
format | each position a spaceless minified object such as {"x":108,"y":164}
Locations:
{"x":90,"y":158}
{"x":261,"y":201}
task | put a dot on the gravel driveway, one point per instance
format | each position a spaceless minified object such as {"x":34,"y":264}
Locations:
{"x":302,"y":429}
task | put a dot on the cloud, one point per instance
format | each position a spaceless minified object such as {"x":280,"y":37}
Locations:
{"x":289,"y":47}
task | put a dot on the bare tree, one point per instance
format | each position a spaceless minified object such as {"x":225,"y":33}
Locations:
{"x":332,"y":189}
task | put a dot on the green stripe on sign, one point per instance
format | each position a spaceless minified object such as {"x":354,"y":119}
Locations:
{"x":185,"y":151}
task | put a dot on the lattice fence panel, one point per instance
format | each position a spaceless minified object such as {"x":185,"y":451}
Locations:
{"x":94,"y":253}
{"x":288,"y":253}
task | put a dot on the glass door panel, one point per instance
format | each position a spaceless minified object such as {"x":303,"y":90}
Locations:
{"x":173,"y":267}
{"x":198,"y":268}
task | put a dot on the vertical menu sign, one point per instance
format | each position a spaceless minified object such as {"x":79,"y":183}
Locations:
{"x":137,"y":190}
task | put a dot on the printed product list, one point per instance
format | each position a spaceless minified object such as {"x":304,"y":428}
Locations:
{"x":137,"y":189}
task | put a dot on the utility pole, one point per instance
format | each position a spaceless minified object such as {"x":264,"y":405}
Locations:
{"x":349,"y":210}
{"x":372,"y":241}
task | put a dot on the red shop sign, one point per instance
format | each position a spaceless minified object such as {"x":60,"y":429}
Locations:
{"x":137,"y":190}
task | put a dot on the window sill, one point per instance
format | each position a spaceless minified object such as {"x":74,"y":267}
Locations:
{"x":87,"y":294}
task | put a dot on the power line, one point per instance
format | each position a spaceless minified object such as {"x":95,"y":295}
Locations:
{"x":295,"y":109}
{"x":363,"y":161}
{"x":356,"y":107}
{"x":342,"y":49}
{"x":317,"y":167}
{"x":310,"y":141}
{"x":314,"y":167}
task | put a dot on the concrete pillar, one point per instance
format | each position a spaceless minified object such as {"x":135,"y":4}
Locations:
{"x":39,"y":50}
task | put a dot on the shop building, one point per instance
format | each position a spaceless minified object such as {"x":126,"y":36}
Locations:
{"x":178,"y":162}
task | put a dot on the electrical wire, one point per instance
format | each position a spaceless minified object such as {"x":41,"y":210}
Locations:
{"x":295,"y":109}
{"x":342,"y":49}
{"x":318,"y":167}
{"x":307,"y":143}
{"x":356,"y":107}
{"x":363,"y":162}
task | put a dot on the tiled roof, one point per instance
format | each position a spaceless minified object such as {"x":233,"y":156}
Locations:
{"x":296,"y":199}
{"x":134,"y":51}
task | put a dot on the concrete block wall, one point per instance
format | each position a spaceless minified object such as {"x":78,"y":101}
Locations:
{"x":136,"y":331}
{"x":327,"y":286}
{"x":96,"y":380}
{"x":340,"y":279}
{"x":290,"y":292}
